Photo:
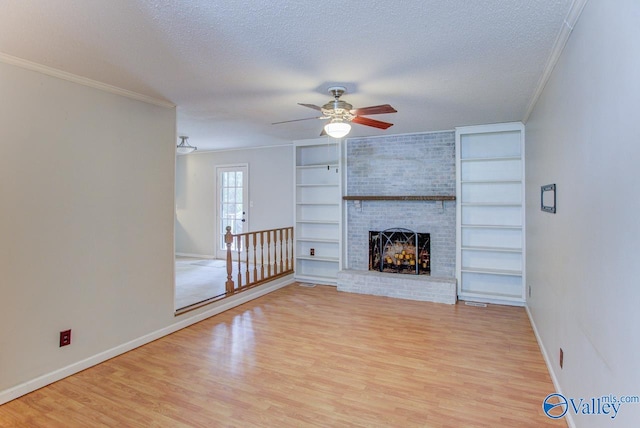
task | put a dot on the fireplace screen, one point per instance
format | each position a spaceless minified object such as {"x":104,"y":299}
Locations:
{"x":400,"y":251}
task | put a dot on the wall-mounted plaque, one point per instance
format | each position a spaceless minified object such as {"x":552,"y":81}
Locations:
{"x":548,"y":198}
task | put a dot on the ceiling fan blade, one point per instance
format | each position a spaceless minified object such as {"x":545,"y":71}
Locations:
{"x":298,"y":120}
{"x":323,"y":133}
{"x":313,"y":106}
{"x":381,"y":109}
{"x":371,"y":122}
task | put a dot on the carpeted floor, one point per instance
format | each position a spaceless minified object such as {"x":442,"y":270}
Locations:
{"x":210,"y":263}
{"x":198,"y":280}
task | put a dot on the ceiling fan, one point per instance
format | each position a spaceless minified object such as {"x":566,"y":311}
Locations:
{"x":340,"y":114}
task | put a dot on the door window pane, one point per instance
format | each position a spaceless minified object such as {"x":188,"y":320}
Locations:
{"x":232,"y":209}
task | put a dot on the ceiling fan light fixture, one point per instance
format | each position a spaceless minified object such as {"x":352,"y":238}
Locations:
{"x":184,"y":148}
{"x":337,"y":128}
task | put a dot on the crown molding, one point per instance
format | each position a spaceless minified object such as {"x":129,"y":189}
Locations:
{"x":29,"y":65}
{"x":563,"y":36}
{"x":561,"y":40}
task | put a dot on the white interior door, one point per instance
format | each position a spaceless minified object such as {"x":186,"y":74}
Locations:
{"x":232,"y":203}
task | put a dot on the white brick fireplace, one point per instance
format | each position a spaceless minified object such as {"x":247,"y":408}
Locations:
{"x":408,"y":165}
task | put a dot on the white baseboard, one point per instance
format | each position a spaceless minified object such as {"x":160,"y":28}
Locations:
{"x":549,"y":364}
{"x":214,"y":309}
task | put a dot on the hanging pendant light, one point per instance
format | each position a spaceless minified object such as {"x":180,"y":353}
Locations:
{"x":184,"y":147}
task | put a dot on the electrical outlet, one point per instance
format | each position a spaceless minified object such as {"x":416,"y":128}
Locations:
{"x":529,"y":291}
{"x":65,"y":338}
{"x":561,"y":357}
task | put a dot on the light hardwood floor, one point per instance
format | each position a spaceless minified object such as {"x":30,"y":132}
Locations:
{"x":314,"y":357}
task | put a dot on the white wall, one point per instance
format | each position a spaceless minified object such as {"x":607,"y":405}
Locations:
{"x":86,"y":230}
{"x":270,"y":191}
{"x":584,"y":135}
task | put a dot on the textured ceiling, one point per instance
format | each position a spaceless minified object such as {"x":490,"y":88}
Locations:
{"x":232,"y":67}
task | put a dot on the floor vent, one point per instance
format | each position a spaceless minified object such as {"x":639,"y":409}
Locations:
{"x":476,"y":304}
{"x":306,"y":284}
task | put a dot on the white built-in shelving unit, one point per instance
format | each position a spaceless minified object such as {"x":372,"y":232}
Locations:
{"x":318,"y":200}
{"x":490,"y":213}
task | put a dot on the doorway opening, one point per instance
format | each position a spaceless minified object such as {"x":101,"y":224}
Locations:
{"x":200,"y":279}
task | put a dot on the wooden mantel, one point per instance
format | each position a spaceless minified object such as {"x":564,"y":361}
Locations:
{"x":400,"y":198}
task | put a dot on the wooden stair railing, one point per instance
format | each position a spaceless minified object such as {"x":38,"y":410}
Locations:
{"x":274,"y":245}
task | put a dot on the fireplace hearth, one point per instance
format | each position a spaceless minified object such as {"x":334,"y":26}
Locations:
{"x":401,"y":251}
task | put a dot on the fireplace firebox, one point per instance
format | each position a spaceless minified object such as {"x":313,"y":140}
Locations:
{"x":400,"y":250}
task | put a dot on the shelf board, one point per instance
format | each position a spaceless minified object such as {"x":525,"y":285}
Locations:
{"x":491,"y":159}
{"x":400,"y":198}
{"x":496,"y":249}
{"x":319,"y":203}
{"x":492,"y":226}
{"x":318,"y":222}
{"x":491,"y":181}
{"x":318,"y":185}
{"x":319,"y":240}
{"x":492,"y":271}
{"x":318,"y":166}
{"x":319,"y":258}
{"x":489,"y":204}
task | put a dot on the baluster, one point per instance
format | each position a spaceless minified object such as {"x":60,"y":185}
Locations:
{"x":292,"y":249}
{"x":262,"y":255}
{"x":228,"y":239}
{"x":255,"y":266}
{"x":286,"y":253}
{"x":275,"y":252}
{"x":268,"y":253}
{"x":238,"y":245}
{"x":281,"y":258}
{"x":246,"y":253}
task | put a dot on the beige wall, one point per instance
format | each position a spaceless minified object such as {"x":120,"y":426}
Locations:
{"x":87,"y":185}
{"x":582,"y":262}
{"x":86,"y":230}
